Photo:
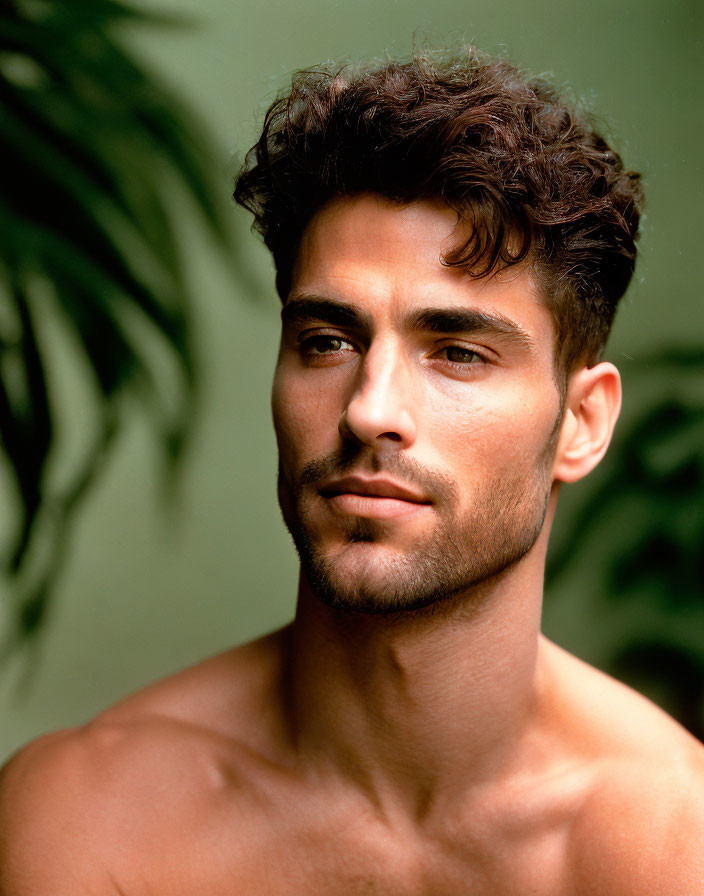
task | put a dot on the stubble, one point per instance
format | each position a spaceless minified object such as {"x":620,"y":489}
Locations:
{"x":465,"y":548}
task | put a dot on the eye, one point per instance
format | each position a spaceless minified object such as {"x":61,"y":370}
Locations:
{"x":323,"y":345}
{"x":458,"y":354}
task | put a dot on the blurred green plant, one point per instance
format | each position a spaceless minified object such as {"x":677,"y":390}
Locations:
{"x":638,"y":537}
{"x":92,"y":148}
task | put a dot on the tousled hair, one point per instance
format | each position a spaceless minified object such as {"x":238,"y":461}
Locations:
{"x":526,"y":173}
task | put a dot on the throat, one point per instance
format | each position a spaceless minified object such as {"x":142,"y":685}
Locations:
{"x":411,"y":711}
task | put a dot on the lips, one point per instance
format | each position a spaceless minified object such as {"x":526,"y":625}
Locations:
{"x":372,"y":488}
{"x":374,"y":498}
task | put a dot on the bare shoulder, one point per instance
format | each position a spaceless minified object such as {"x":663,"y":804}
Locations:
{"x":74,"y":803}
{"x":640,"y":828}
{"x":640,"y":833}
{"x":50,"y":801}
{"x":224,"y":694}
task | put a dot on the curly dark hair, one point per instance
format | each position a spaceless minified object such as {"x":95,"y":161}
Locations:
{"x":525,"y":171}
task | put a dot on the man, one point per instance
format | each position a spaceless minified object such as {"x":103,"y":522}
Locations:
{"x":450,"y":244}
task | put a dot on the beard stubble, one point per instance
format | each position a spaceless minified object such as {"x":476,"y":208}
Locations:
{"x":463,"y":551}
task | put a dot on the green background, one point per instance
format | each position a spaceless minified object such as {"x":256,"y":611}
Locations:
{"x":150,"y":587}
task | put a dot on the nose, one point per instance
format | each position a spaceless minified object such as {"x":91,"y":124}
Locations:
{"x":380,"y":408}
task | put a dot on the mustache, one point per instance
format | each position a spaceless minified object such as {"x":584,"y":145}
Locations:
{"x":436,"y":485}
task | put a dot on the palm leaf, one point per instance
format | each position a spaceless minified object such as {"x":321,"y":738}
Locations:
{"x":91,"y":144}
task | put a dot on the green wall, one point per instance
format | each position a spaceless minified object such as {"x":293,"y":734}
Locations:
{"x":150,"y":588}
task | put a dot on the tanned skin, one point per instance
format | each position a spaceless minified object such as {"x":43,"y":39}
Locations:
{"x":438,"y":751}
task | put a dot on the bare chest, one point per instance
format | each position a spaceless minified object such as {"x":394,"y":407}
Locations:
{"x":271,"y":855}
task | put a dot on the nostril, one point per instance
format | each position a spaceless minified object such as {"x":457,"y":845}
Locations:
{"x":379,"y":413}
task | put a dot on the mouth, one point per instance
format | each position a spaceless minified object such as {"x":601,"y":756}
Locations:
{"x":374,"y":498}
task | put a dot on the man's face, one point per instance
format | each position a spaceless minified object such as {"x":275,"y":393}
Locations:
{"x":416,"y":410}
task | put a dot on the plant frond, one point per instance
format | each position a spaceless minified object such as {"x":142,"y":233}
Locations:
{"x":91,"y":146}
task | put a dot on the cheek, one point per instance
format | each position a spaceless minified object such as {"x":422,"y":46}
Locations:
{"x":489,"y":437}
{"x":305,"y":419}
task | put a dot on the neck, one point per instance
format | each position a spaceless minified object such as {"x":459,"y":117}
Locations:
{"x":415,"y":708}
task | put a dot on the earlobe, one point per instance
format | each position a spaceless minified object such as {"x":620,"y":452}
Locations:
{"x":592,"y":407}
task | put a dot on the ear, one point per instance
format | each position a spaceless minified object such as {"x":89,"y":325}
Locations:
{"x":592,"y":405}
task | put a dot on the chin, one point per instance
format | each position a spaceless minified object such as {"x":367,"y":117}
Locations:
{"x":383,"y":567}
{"x":375,"y":579}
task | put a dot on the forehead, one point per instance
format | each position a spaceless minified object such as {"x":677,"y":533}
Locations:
{"x":386,"y":259}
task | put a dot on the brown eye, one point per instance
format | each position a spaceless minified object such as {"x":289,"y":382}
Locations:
{"x":330,"y":345}
{"x":459,"y":355}
{"x":325,"y":345}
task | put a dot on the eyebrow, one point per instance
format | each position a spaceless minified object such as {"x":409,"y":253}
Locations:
{"x":468,"y":320}
{"x":306,"y":308}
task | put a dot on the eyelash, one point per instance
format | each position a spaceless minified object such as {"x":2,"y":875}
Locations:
{"x":462,"y":348}
{"x":309,"y":344}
